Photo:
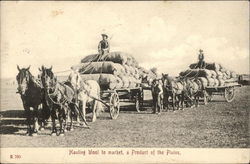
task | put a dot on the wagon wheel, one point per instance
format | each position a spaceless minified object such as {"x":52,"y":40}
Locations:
{"x":229,"y":94}
{"x":114,"y":105}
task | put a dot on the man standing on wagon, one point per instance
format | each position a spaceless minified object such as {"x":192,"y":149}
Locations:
{"x":103,"y":47}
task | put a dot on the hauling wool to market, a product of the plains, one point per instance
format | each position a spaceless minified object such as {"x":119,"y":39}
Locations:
{"x":213,"y":75}
{"x":115,"y":70}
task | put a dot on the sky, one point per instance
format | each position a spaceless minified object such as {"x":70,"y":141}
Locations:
{"x":162,"y":34}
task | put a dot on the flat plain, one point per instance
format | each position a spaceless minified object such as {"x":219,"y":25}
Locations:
{"x":216,"y":125}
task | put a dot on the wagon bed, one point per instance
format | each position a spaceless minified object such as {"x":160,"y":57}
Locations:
{"x":111,"y":99}
{"x":228,"y":91}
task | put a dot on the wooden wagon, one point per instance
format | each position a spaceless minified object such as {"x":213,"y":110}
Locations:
{"x":111,"y":99}
{"x":228,"y":91}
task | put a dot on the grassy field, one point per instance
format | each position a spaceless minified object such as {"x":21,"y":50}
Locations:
{"x":218,"y":124}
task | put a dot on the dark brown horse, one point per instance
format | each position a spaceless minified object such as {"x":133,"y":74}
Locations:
{"x":32,"y":95}
{"x":175,"y":89}
{"x":60,"y":98}
{"x":197,"y":91}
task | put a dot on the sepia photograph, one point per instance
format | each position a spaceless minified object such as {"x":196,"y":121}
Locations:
{"x":124,"y":81}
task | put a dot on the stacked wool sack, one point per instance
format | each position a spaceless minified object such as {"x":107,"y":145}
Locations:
{"x":213,"y":75}
{"x":114,"y":70}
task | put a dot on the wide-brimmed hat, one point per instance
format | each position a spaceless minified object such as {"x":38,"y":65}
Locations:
{"x":105,"y":35}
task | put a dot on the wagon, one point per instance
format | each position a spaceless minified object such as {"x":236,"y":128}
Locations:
{"x":111,"y":99}
{"x":228,"y":91}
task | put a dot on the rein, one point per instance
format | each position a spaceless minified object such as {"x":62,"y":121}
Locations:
{"x":54,"y":94}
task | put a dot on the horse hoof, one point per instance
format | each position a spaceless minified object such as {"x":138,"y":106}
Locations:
{"x":27,"y":134}
{"x":34,"y":134}
{"x":41,"y":129}
{"x":53,"y":134}
{"x":71,"y":129}
{"x":61,"y":134}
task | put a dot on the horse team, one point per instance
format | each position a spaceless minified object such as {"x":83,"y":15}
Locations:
{"x":178,"y":92}
{"x":46,"y":98}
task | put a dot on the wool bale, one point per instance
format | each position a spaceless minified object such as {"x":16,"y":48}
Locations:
{"x":117,"y":57}
{"x":120,"y":83}
{"x":219,"y":74}
{"x":193,"y":66}
{"x":228,"y":73}
{"x":211,"y":82}
{"x":221,"y":82}
{"x":125,"y":81}
{"x":216,"y":82}
{"x":231,"y":80}
{"x":213,"y":74}
{"x":223,"y":69}
{"x":225,"y":76}
{"x":90,"y":58}
{"x":213,"y":66}
{"x":99,"y":67}
{"x":204,"y":81}
{"x":196,"y":73}
{"x":209,"y":66}
{"x":106,"y":81}
{"x":233,"y":74}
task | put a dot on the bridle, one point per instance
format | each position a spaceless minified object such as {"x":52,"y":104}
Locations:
{"x":53,"y":91}
{"x":20,"y":81}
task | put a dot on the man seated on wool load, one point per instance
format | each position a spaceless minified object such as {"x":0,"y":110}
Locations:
{"x":201,"y":62}
{"x":103,"y":47}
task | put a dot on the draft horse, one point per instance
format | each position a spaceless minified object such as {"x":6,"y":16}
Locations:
{"x":60,"y":98}
{"x":86,"y":93}
{"x":32,"y":95}
{"x":197,"y":91}
{"x":174,"y":89}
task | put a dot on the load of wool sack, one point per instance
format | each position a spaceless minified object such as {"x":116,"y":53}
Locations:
{"x":106,"y":81}
{"x":129,"y":70}
{"x":204,"y":81}
{"x":132,"y":82}
{"x":125,"y":81}
{"x":213,"y":66}
{"x":90,"y":58}
{"x":231,"y":80}
{"x":196,"y":73}
{"x":136,"y":74}
{"x":221,"y":82}
{"x":228,"y":73}
{"x":233,"y":74}
{"x":225,"y":76}
{"x":116,"y":57}
{"x":100,"y":67}
{"x":209,"y":66}
{"x":216,"y":82}
{"x":219,"y":74}
{"x":213,"y":74}
{"x":223,"y":69}
{"x":211,"y":82}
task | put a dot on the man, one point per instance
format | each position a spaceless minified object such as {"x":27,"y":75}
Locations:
{"x":103,"y":47}
{"x":201,"y":62}
{"x":157,"y":94}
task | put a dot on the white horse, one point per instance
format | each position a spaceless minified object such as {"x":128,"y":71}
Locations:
{"x":87,"y":92}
